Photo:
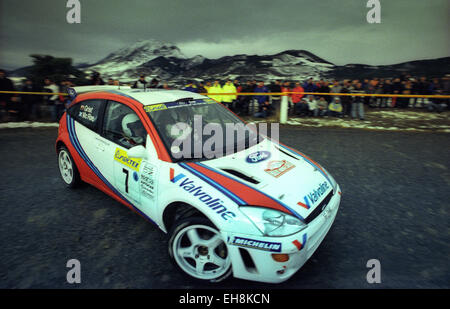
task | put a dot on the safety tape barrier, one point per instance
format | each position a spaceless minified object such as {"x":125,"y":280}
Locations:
{"x":35,"y":93}
{"x":278,"y":94}
{"x":332,"y":94}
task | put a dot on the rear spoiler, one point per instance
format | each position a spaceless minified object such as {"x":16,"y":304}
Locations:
{"x":74,"y":91}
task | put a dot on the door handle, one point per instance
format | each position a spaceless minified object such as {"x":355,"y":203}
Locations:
{"x":101,"y":144}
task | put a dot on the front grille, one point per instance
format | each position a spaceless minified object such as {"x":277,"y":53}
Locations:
{"x":318,"y":210}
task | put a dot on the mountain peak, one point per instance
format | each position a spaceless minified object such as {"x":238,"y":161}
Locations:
{"x":134,"y":55}
{"x":165,"y":60}
{"x":304,"y":53}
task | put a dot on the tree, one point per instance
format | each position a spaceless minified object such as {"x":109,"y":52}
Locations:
{"x":57,"y":69}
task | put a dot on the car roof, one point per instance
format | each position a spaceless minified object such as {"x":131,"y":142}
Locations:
{"x":144,"y":96}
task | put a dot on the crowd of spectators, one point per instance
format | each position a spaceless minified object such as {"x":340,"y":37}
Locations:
{"x":327,"y":104}
{"x":26,"y":106}
{"x":23,"y":107}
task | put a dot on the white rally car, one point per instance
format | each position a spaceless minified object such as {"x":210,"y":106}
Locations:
{"x":258,"y":213}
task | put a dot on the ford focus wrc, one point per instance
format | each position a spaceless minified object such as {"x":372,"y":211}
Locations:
{"x":258,"y":213}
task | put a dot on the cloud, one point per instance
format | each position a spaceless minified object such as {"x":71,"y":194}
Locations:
{"x":334,"y":30}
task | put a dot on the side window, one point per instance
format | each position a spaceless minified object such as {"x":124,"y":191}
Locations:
{"x":87,"y":112}
{"x":122,"y":126}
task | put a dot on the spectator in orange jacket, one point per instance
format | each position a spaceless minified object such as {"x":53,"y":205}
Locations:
{"x":297,"y":97}
{"x":299,"y":106}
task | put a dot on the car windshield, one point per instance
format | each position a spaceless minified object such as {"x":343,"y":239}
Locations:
{"x":200,"y":129}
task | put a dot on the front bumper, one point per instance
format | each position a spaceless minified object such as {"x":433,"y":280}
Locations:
{"x":257,"y":264}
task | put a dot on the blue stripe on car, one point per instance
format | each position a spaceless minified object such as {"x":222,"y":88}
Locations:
{"x":277,"y":201}
{"x":225,"y":191}
{"x":74,"y":140}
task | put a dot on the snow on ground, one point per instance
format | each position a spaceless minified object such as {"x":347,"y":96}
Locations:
{"x":413,"y":115}
{"x":395,"y":120}
{"x":27,"y":124}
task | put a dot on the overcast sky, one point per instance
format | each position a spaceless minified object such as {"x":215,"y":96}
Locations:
{"x":335,"y":30}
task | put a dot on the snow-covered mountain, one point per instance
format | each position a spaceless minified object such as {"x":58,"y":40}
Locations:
{"x":166,"y":62}
{"x":291,"y":64}
{"x":128,"y":58}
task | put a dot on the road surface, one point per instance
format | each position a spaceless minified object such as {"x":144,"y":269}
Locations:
{"x":395,"y":208}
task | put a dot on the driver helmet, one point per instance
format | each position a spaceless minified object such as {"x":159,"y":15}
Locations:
{"x":130,"y":124}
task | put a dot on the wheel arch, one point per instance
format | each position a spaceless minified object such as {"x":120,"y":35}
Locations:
{"x":59,"y":144}
{"x":178,"y":210}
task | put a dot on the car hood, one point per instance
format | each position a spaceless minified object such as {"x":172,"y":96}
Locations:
{"x":270,"y":175}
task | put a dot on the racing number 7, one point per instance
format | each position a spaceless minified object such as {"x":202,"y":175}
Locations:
{"x":126,"y":179}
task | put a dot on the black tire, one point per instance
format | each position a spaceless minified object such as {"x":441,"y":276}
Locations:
{"x":75,"y":180}
{"x":182,"y":263}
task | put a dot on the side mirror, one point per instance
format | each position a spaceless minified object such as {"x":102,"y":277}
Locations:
{"x":138,"y":152}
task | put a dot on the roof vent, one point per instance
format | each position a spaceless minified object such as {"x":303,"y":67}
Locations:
{"x":241,"y":175}
{"x":287,"y":153}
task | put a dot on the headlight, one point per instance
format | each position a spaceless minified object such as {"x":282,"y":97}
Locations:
{"x":272,"y":222}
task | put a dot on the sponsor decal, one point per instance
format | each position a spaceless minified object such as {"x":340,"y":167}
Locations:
{"x":189,"y":186}
{"x":154,"y":107}
{"x":316,"y":194}
{"x":148,"y":181}
{"x":238,"y":192}
{"x":188,"y":102}
{"x":257,"y":244}
{"x":172,"y":176}
{"x":278,"y":168}
{"x":162,"y":106}
{"x":122,"y":157}
{"x":301,"y":245}
{"x":306,"y":204}
{"x":258,"y":156}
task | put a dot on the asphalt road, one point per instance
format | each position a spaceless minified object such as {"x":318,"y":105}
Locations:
{"x":395,"y":208}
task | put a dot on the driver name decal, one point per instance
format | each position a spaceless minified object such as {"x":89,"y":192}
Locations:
{"x":86,"y":113}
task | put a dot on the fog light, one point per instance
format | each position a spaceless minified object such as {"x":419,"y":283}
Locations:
{"x":280,"y":257}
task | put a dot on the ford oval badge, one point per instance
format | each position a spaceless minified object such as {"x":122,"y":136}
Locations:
{"x":258,"y":156}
